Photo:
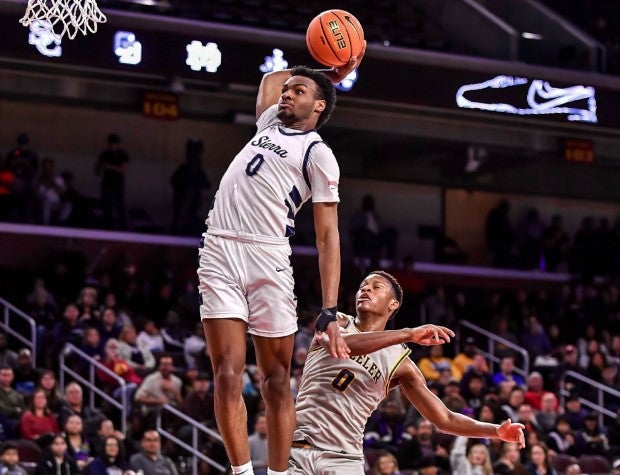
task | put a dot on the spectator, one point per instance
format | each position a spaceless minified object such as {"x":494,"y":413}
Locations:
{"x":423,"y":444}
{"x":507,"y":373}
{"x":499,"y":235}
{"x":386,"y":464}
{"x":569,"y":362}
{"x":258,"y":445}
{"x":574,"y":412}
{"x":427,"y":466}
{"x":9,"y":460}
{"x":527,"y":417}
{"x":73,"y":404}
{"x":22,"y":162}
{"x":150,"y":337}
{"x":92,"y":345}
{"x":47,"y":381}
{"x":111,"y":301}
{"x":7,"y":356}
{"x":112,"y":166}
{"x":452,"y":397}
{"x":160,"y":387}
{"x":474,"y":393}
{"x":369,"y":236}
{"x":529,"y":240}
{"x":188,"y":182}
{"x":193,"y":346}
{"x":539,"y":461}
{"x":385,"y":429}
{"x":174,"y":333}
{"x":561,"y":440}
{"x":149,"y":459}
{"x":12,"y":404}
{"x":535,"y":390}
{"x":111,"y":461}
{"x":139,"y":357}
{"x":479,"y":368}
{"x":88,"y":306}
{"x":78,"y":447}
{"x":509,"y":461}
{"x":515,"y":399}
{"x":432,"y":365}
{"x":69,"y":330}
{"x":49,"y":189}
{"x":556,"y":245}
{"x":476,"y":460}
{"x":549,"y":411}
{"x":591,"y":439}
{"x":121,"y":368}
{"x":501,"y":327}
{"x":573,"y":469}
{"x":108,"y":326}
{"x":437,"y":309}
{"x":198,"y":404}
{"x":464,"y":360}
{"x":104,"y":431}
{"x":38,"y":420}
{"x":534,"y":339}
{"x":26,"y":375}
{"x":55,"y":460}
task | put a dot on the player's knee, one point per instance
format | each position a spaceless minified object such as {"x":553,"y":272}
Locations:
{"x":276,"y":386}
{"x":228,"y":381}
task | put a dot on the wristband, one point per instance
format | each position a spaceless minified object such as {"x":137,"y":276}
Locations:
{"x":326,"y":316}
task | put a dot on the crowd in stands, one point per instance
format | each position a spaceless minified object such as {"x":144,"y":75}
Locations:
{"x":143,"y":328}
{"x":32,"y":190}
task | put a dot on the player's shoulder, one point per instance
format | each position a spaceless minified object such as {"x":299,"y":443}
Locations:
{"x":345,"y":321}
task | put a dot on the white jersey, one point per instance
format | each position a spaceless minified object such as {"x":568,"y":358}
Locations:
{"x":336,"y":396}
{"x":270,"y":178}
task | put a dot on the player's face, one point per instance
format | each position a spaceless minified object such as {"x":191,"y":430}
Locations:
{"x":298,"y":101}
{"x":374,"y":295}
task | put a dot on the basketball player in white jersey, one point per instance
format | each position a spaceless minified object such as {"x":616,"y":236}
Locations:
{"x":245,"y":276}
{"x":337,"y":397}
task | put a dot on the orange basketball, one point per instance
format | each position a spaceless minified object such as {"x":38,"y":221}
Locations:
{"x":333,"y":36}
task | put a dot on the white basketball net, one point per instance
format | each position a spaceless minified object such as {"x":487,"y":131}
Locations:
{"x":64,"y":16}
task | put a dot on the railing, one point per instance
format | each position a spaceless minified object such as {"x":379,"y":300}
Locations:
{"x":196,"y":426}
{"x":8,"y":311}
{"x":90,"y":381}
{"x":492,"y":340}
{"x":601,"y":389}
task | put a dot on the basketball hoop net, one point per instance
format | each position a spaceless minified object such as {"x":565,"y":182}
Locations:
{"x":64,"y":16}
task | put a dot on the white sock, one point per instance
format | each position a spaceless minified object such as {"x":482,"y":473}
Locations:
{"x":274,"y":472}
{"x":245,"y":469}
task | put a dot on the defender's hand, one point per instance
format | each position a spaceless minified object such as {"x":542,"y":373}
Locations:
{"x":428,"y":335}
{"x":512,"y":432}
{"x":332,"y":341}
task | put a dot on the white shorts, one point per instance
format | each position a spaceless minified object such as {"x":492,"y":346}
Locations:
{"x":249,"y":280}
{"x":324,"y":462}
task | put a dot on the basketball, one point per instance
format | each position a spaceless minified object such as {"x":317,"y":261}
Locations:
{"x":333,"y":36}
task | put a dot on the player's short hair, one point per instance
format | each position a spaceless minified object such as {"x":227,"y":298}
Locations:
{"x":325,"y":90}
{"x":396,"y":288}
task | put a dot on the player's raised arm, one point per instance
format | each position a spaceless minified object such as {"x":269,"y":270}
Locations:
{"x":369,"y":342}
{"x":270,"y":89}
{"x":411,"y":380}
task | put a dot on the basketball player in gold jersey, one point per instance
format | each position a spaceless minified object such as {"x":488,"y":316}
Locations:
{"x":337,"y":396}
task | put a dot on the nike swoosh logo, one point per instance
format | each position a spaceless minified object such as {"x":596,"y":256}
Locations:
{"x":280,"y":269}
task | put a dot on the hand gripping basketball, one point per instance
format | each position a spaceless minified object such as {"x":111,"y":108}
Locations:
{"x":326,"y":316}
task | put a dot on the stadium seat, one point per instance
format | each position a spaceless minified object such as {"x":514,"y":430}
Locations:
{"x":594,"y":464}
{"x":561,"y":461}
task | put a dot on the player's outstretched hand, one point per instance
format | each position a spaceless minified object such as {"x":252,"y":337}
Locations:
{"x":428,"y":335}
{"x":512,"y":432}
{"x":338,"y":74}
{"x":331,"y":339}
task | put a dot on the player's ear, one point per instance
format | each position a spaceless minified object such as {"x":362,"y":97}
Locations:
{"x":394,"y":305}
{"x":320,"y":105}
